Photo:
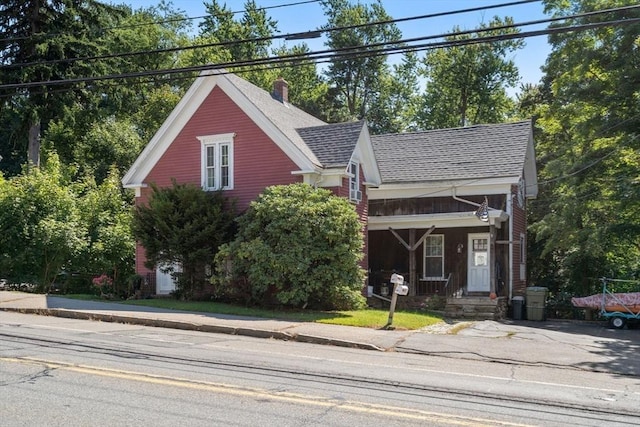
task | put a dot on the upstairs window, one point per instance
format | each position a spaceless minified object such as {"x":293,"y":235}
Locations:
{"x":355,"y":195}
{"x":217,"y":161}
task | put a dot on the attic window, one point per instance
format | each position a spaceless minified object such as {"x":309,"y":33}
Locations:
{"x":355,"y":195}
{"x":217,"y":161}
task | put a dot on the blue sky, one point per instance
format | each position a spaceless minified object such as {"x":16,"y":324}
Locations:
{"x":304,"y":17}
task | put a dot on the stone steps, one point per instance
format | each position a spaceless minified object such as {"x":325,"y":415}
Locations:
{"x":478,"y":308}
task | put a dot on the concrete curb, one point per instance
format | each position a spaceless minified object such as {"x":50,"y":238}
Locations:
{"x":187,"y":326}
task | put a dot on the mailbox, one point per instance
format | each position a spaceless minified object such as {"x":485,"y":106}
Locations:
{"x":402,"y":289}
{"x":399,"y":288}
{"x":397,"y":279}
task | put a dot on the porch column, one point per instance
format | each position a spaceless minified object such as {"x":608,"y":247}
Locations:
{"x":413,"y":283}
{"x":411,"y":247}
{"x":492,"y":259}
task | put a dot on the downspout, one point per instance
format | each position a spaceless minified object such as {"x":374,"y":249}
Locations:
{"x":469,"y":202}
{"x":510,"y":211}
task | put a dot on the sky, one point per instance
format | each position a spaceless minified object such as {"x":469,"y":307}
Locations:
{"x":309,"y":16}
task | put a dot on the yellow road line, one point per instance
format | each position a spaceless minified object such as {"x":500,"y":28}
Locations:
{"x":361,"y":407}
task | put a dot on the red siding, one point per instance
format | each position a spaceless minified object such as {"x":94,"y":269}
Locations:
{"x":258,"y":161}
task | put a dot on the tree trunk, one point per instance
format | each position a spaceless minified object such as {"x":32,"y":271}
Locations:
{"x":33,"y":153}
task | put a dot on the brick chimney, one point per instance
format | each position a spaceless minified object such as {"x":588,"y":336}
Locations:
{"x":281,"y":90}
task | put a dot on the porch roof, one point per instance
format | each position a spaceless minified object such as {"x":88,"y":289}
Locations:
{"x":474,"y":152}
{"x":440,"y":220}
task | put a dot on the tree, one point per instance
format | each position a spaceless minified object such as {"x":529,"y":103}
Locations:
{"x":103,"y":145}
{"x":246,"y":39}
{"x":395,"y":107}
{"x":181,"y":229}
{"x":36,"y":39}
{"x":106,"y":215}
{"x":301,"y":243}
{"x":355,"y":79}
{"x":40,"y":225}
{"x":71,"y":109}
{"x":158,"y":30}
{"x":530,"y":99}
{"x":467,"y":84}
{"x":588,"y":221}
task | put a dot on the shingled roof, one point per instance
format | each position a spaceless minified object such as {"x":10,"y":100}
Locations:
{"x":474,"y":152}
{"x":284,"y":116}
{"x":333,"y":144}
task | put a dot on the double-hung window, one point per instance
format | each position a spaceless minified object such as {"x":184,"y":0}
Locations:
{"x":433,"y":266}
{"x":355,"y":195}
{"x":217,"y":161}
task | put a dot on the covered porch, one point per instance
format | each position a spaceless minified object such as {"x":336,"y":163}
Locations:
{"x":454,"y":256}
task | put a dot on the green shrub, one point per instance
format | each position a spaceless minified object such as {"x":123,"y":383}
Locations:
{"x":300,"y":246}
{"x":183,"y":226}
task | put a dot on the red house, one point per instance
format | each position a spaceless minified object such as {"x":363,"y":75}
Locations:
{"x":416,"y":194}
{"x":228,"y":134}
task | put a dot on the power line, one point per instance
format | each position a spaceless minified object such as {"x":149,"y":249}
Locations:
{"x":289,"y":36}
{"x":399,"y":42}
{"x":163,"y":21}
{"x":193,"y":18}
{"x":331,"y":55}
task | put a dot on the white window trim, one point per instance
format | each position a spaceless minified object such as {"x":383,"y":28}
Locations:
{"x":216,"y":141}
{"x":424,"y":259}
{"x":355,"y":195}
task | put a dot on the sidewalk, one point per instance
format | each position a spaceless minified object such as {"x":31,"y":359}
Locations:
{"x":587,"y":346}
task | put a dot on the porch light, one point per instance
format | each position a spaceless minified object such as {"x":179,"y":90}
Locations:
{"x":483,"y":211}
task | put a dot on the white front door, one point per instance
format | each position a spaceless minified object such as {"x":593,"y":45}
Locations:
{"x":164,"y":282}
{"x":478,"y":266}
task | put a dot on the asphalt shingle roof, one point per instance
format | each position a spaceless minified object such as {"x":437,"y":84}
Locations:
{"x":333,"y":144}
{"x":284,"y":116}
{"x":473,"y":152}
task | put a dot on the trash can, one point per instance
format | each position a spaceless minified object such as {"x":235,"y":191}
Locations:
{"x":536,"y":302}
{"x":517,"y":305}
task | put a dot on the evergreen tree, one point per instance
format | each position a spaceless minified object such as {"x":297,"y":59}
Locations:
{"x":181,"y":230}
{"x":244,"y":40}
{"x":37,"y":40}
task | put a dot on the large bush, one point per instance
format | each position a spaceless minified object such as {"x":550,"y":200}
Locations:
{"x":299,"y":245}
{"x":106,"y":214}
{"x":183,"y":226}
{"x":56,"y":230}
{"x":40,"y":225}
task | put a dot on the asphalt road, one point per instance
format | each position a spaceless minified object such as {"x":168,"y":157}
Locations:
{"x":57,"y":371}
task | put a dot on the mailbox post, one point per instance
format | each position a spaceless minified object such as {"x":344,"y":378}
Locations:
{"x":399,"y":288}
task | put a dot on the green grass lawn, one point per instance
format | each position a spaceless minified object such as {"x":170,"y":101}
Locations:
{"x":370,"y":318}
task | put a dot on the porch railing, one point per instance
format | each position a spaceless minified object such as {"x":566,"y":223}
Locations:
{"x":434,"y":286}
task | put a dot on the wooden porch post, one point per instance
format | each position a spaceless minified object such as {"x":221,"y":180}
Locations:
{"x":492,"y":260}
{"x":412,"y":262}
{"x":411,"y":247}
